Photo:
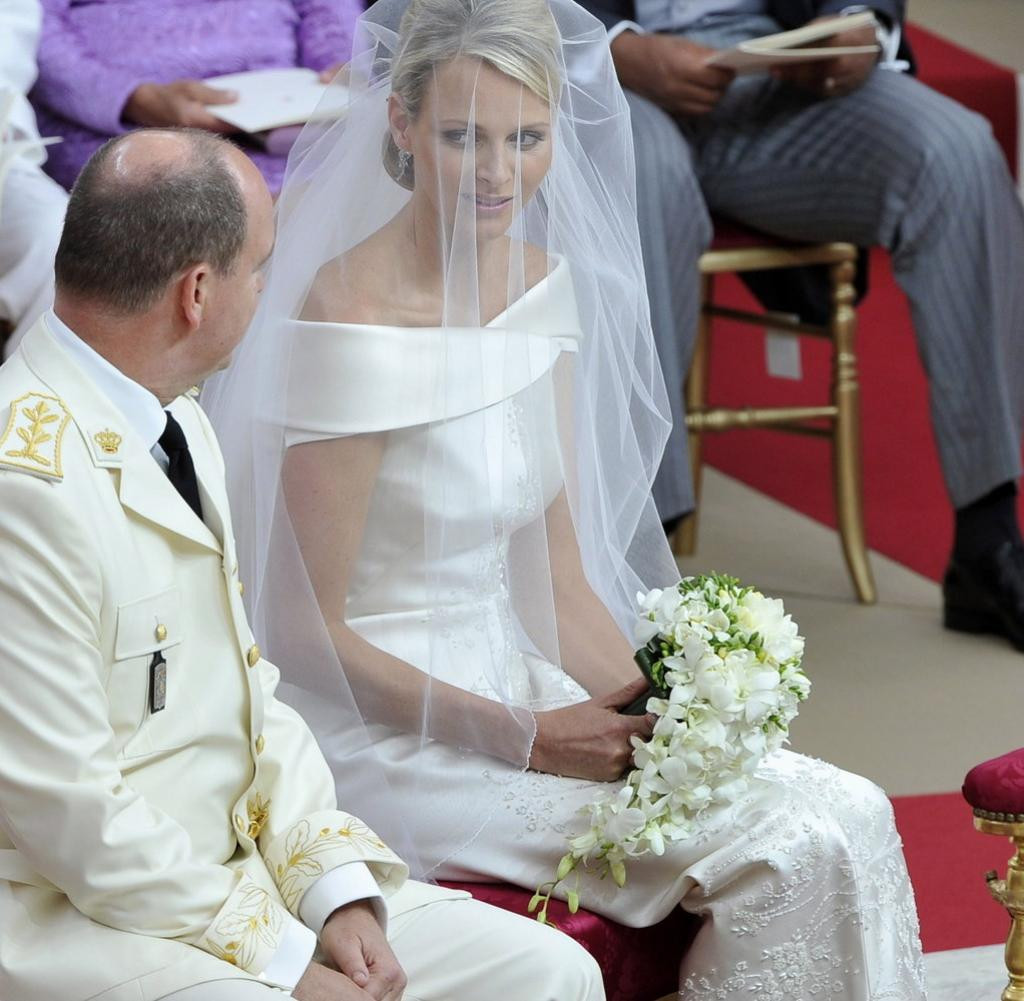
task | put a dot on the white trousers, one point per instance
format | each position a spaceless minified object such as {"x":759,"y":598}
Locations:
{"x":462,"y":950}
{"x":31,"y":217}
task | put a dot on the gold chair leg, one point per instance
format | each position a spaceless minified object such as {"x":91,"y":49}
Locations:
{"x":695,"y":396}
{"x":1009,"y":893}
{"x":846,"y":462}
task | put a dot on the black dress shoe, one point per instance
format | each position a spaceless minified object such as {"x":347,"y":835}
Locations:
{"x":986,"y":595}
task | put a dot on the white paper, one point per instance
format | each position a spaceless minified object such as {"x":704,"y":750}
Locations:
{"x":743,"y":61}
{"x":270,"y":99}
{"x":789,"y":47}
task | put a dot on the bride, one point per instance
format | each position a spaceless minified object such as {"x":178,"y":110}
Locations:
{"x":441,"y":435}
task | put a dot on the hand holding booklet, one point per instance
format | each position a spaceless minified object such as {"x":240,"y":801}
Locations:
{"x":790,"y":47}
{"x":273,"y":98}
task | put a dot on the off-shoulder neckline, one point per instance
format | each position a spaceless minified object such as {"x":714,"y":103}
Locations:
{"x":560,"y":263}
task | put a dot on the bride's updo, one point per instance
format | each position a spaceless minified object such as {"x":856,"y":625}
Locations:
{"x":517,"y":37}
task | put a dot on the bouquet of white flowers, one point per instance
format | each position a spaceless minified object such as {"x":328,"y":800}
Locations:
{"x":723,"y":662}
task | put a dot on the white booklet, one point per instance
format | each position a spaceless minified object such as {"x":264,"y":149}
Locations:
{"x":791,"y":47}
{"x":270,"y":99}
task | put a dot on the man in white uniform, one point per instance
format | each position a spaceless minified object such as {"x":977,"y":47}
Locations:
{"x":31,"y":204}
{"x":168,"y":829}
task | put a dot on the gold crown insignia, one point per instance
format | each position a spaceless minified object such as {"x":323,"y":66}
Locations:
{"x":109,"y":441}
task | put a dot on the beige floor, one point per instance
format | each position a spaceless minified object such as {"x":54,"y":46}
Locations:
{"x":992,"y":28}
{"x":896,"y":697}
{"x":966,"y":974}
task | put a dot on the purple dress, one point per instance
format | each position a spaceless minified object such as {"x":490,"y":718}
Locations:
{"x":94,"y":53}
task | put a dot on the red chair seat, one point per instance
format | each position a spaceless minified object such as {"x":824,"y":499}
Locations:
{"x":996,"y":787}
{"x":639,"y":964}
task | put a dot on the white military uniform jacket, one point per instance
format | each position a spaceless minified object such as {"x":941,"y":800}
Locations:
{"x":141,"y":851}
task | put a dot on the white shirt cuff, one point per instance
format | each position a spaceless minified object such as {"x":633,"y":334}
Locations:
{"x":888,"y":40}
{"x":339,"y":887}
{"x":293,"y":955}
{"x":622,"y":26}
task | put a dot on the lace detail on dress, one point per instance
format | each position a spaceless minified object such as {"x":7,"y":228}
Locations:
{"x":834,"y":892}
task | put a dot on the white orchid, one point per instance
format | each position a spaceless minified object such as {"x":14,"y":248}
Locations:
{"x":724,"y":662}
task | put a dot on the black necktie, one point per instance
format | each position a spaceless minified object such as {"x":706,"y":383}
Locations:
{"x":180,"y":470}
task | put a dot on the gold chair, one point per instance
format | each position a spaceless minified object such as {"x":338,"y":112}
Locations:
{"x":995,"y":792}
{"x":1009,"y":892}
{"x":736,"y":250}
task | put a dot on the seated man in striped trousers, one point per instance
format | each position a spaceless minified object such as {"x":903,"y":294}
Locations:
{"x":845,"y":149}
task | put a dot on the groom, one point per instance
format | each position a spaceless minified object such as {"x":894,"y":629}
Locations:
{"x":168,"y":829}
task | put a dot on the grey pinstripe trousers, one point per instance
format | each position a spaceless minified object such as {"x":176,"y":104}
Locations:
{"x":893,"y":164}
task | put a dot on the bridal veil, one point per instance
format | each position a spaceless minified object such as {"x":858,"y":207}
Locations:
{"x":449,"y":411}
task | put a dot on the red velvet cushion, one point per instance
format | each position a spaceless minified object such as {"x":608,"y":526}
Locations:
{"x":997,"y":786}
{"x":639,"y":964}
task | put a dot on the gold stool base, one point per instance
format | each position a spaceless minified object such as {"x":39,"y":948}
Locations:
{"x":1010,"y":893}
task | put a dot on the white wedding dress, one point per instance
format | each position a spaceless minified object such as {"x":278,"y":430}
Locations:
{"x":802,"y":885}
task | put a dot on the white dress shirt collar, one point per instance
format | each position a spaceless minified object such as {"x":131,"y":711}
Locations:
{"x":141,"y":409}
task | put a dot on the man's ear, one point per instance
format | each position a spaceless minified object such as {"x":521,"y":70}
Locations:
{"x":398,"y":119}
{"x":193,"y":294}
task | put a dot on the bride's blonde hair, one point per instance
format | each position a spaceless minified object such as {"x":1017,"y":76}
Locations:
{"x":517,"y":37}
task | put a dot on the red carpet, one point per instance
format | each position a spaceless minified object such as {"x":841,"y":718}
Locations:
{"x":948,"y":860}
{"x":986,"y":87}
{"x":907,"y":514}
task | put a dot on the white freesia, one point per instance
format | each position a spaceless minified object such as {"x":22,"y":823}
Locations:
{"x":724,"y":662}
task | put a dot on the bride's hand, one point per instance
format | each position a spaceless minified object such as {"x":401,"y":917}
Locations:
{"x":590,"y":740}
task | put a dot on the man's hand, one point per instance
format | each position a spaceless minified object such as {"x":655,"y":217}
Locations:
{"x":182,"y":103}
{"x":839,"y":76}
{"x":356,"y":944}
{"x":590,"y":740}
{"x":672,"y":72}
{"x":319,"y":983}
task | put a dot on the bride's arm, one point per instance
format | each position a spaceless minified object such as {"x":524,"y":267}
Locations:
{"x":327,"y":488}
{"x":592,"y":648}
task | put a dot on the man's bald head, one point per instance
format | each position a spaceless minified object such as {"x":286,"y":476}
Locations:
{"x":147,"y":206}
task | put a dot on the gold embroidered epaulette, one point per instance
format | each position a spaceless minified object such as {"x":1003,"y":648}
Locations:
{"x":33,"y":436}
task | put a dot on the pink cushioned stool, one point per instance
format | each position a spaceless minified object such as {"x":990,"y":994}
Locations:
{"x":995,"y":791}
{"x":639,"y":964}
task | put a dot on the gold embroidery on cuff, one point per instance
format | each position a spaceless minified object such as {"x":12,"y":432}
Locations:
{"x":304,"y":848}
{"x":255,"y":921}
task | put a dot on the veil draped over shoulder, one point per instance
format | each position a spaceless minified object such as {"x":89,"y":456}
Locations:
{"x":442,"y":430}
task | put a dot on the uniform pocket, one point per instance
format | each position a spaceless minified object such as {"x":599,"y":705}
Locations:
{"x":148,"y":628}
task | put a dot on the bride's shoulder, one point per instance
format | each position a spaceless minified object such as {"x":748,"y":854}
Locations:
{"x":354,"y":287}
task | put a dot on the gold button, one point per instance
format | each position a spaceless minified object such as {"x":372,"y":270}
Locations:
{"x":160,"y":632}
{"x":241,"y":588}
{"x":253,"y":656}
{"x":260,"y":744}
